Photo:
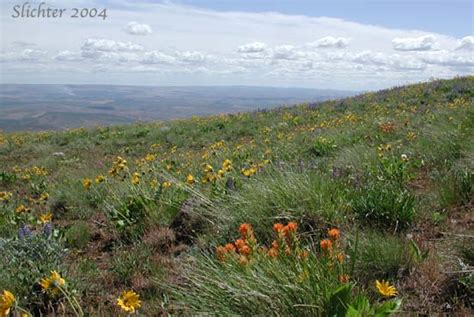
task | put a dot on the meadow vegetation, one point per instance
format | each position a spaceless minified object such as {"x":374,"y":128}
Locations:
{"x":354,"y":207}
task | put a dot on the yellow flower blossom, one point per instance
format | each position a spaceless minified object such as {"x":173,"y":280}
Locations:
{"x":5,"y":196}
{"x":166,"y":184}
{"x":100,"y":179}
{"x":385,"y":289}
{"x":44,"y":218}
{"x":21,"y":209}
{"x":129,"y":301}
{"x":7,"y":300}
{"x":86,"y":183}
{"x":190,"y":179}
{"x":136,"y":178}
{"x":52,"y":283}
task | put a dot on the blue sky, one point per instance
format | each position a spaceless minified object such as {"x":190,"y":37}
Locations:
{"x":449,"y":17}
{"x":354,"y":45}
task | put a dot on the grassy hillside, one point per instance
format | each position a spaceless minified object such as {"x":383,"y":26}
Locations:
{"x":296,"y":211}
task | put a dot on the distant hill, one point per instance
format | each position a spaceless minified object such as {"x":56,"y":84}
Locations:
{"x":57,"y":107}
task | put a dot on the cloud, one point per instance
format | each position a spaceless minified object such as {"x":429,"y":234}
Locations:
{"x":157,"y":57}
{"x":135,"y":28}
{"x":352,"y":56}
{"x":286,"y":52}
{"x":466,"y":43}
{"x":446,"y":58}
{"x":330,"y":42}
{"x":255,"y":47}
{"x":104,"y":45}
{"x":27,"y":55}
{"x":193,"y":57}
{"x":422,"y":43}
{"x":68,"y":56}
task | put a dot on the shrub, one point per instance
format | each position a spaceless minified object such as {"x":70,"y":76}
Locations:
{"x":30,"y":258}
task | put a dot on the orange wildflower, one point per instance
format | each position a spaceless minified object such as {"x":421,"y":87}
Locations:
{"x":229,"y":247}
{"x":341,"y":257}
{"x":245,"y":250}
{"x":334,"y":234}
{"x":326,"y":244}
{"x":245,"y":229}
{"x":344,"y":278}
{"x":239,"y":243}
{"x":278,"y":227}
{"x":275,"y":244}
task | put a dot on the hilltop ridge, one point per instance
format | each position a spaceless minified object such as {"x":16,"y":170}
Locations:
{"x":359,"y":205}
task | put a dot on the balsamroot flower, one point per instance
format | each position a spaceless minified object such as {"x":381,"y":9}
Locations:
{"x":385,"y":289}
{"x":44,"y":218}
{"x":135,"y":178}
{"x":190,"y":179}
{"x":21,"y":209}
{"x":129,"y":301}
{"x":7,"y":300}
{"x":99,"y":179}
{"x":52,"y":283}
{"x":86,"y":183}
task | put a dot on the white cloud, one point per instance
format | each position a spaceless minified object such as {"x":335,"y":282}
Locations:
{"x":68,"y":56}
{"x":466,"y":43}
{"x":27,"y":55}
{"x":275,"y":49}
{"x":286,"y":52}
{"x":156,"y":57}
{"x":447,"y":58}
{"x":135,"y":28}
{"x":193,"y":57}
{"x":104,"y":45}
{"x":330,"y":42}
{"x":254,"y":47}
{"x":422,"y":43}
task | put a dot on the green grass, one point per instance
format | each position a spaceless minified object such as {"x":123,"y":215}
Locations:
{"x":381,"y":167}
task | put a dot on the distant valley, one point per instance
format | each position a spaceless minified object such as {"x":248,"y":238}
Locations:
{"x":57,"y":107}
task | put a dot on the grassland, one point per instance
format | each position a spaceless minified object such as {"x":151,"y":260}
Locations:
{"x":294,"y":211}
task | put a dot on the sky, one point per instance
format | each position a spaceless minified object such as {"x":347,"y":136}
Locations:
{"x":349,"y":45}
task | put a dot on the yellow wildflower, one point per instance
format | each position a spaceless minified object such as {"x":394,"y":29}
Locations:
{"x":135,"y":178}
{"x":100,"y":179}
{"x":166,"y":184}
{"x":21,"y":209}
{"x":87,"y":183}
{"x":44,"y":218}
{"x":52,"y":283}
{"x":5,"y":196}
{"x":190,"y":179}
{"x":129,"y":301}
{"x":385,"y":289}
{"x":150,"y":157}
{"x":7,"y":300}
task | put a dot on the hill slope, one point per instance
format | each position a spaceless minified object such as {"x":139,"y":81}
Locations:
{"x":232,"y":214}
